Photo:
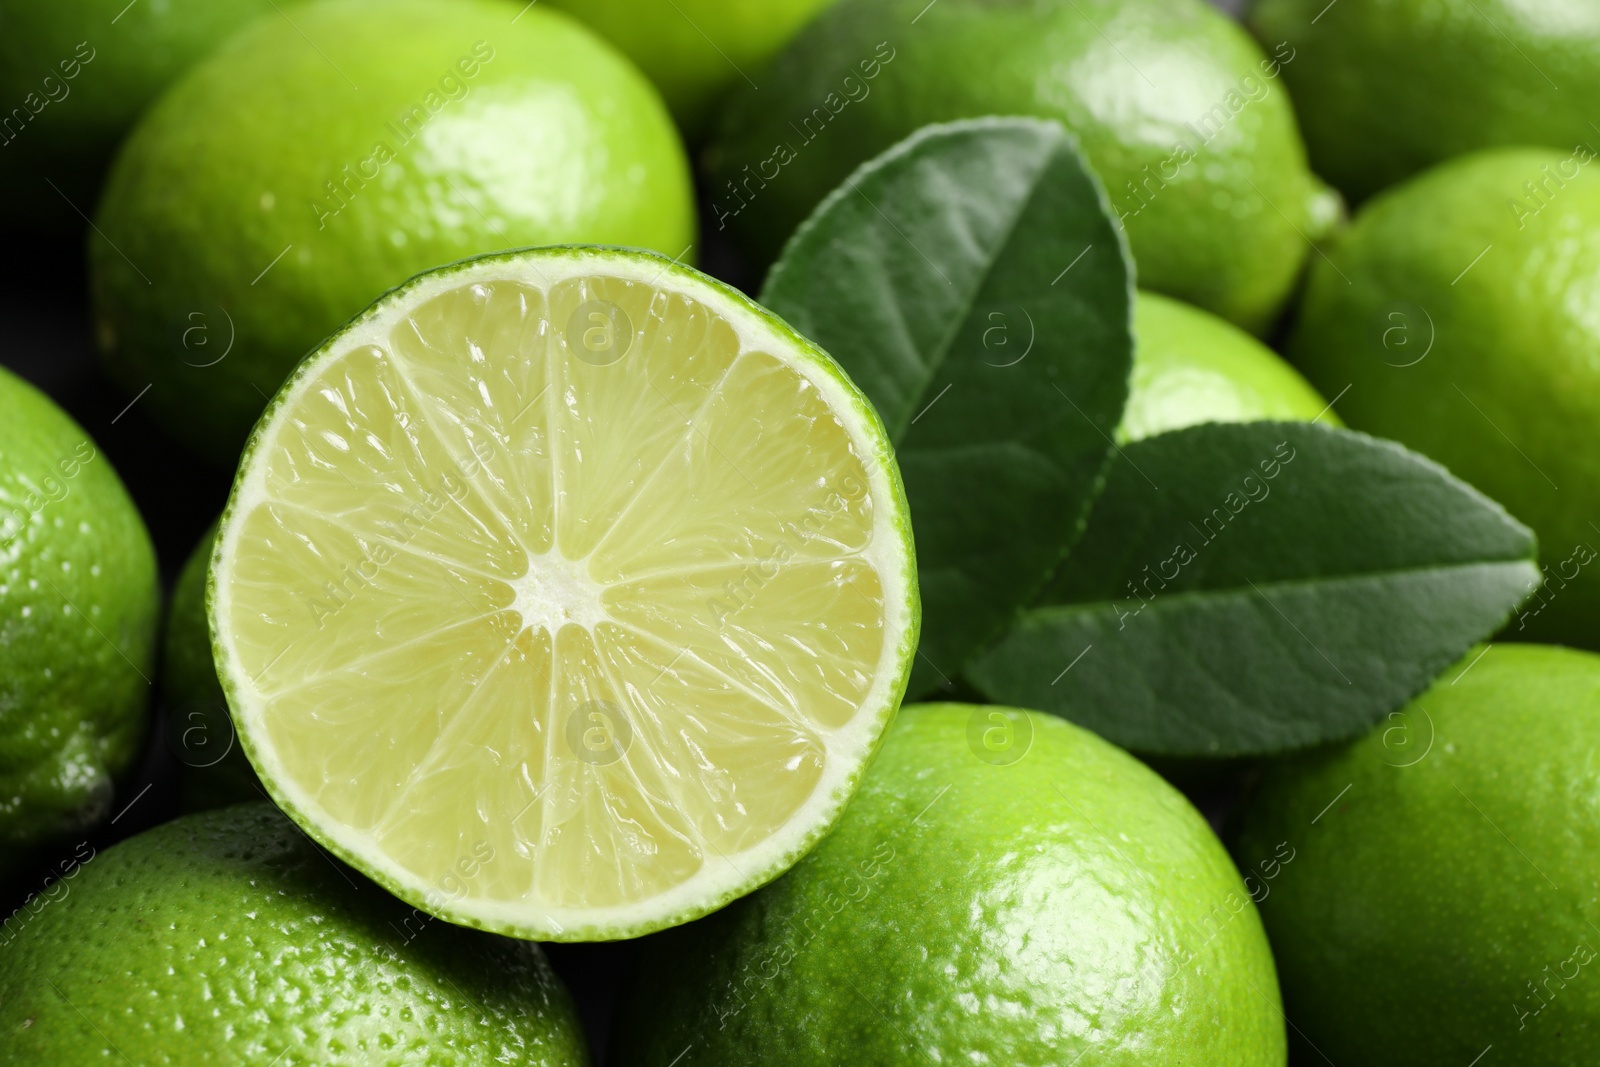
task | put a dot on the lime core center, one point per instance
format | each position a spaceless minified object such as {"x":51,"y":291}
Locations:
{"x":557,"y":591}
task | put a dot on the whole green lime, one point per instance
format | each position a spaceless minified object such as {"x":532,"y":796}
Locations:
{"x":1386,"y":88}
{"x":228,"y":937}
{"x":1191,"y":367}
{"x":696,"y":50}
{"x":78,"y":614}
{"x":1174,"y":105}
{"x":74,"y":75}
{"x":1457,"y":316}
{"x":200,"y":729}
{"x":1006,"y":888}
{"x":1440,"y":898}
{"x":314,"y":163}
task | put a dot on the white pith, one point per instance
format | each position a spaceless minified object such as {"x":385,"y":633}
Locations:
{"x":557,"y":592}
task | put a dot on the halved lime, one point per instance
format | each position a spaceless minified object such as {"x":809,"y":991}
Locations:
{"x":565,"y":592}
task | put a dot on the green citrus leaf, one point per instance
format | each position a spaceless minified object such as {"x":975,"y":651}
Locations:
{"x":972,"y":282}
{"x":1254,"y":588}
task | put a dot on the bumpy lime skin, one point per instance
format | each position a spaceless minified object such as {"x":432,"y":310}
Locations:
{"x":696,"y":50}
{"x":281,"y":186}
{"x":79,"y":603}
{"x":1190,"y":367}
{"x":1442,"y":895}
{"x":972,"y":910}
{"x":1457,"y":316}
{"x":1135,"y":81}
{"x":72,"y":82}
{"x":201,"y":732}
{"x":1386,"y":88}
{"x":227,"y":937}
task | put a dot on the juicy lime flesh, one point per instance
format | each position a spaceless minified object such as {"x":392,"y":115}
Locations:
{"x":602,"y":616}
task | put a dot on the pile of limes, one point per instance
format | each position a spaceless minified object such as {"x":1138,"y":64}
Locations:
{"x":564,"y":593}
